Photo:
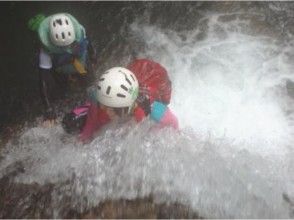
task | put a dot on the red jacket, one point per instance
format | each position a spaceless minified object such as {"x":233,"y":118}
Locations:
{"x":153,"y":81}
{"x":96,"y":118}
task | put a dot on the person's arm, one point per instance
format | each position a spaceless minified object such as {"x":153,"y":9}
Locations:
{"x":47,"y":83}
{"x":95,"y":119}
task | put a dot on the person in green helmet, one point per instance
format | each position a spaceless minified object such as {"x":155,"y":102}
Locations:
{"x":65,"y":55}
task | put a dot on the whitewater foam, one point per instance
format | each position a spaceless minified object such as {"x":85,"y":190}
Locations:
{"x":233,"y":155}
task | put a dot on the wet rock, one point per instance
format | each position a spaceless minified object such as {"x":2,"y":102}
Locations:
{"x":139,"y":208}
{"x":35,"y":201}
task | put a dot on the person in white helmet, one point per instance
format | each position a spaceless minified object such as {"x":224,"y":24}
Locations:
{"x":118,"y":93}
{"x":64,"y":55}
{"x":114,"y":96}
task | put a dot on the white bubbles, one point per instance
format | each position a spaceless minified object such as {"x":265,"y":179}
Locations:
{"x":233,"y":87}
{"x":233,"y":156}
{"x":130,"y":161}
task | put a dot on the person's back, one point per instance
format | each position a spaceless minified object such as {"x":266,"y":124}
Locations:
{"x":63,"y":55}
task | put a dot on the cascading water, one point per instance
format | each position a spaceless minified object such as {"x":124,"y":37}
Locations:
{"x":232,"y":157}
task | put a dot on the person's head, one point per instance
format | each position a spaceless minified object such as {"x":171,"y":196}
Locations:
{"x":117,"y":90}
{"x":61,"y":30}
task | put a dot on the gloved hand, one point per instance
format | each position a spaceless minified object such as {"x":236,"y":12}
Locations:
{"x":143,"y":102}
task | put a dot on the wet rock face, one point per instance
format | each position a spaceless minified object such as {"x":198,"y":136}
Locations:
{"x":139,"y":208}
{"x":49,"y":200}
{"x":35,"y":201}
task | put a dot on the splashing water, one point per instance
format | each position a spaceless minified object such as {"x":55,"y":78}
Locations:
{"x":232,"y":87}
{"x":232,"y":157}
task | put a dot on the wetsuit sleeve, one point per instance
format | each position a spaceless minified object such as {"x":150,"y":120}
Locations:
{"x":96,"y":118}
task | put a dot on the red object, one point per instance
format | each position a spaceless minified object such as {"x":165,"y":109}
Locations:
{"x":139,"y":114}
{"x":169,"y":119}
{"x":153,"y":79}
{"x":96,"y":118}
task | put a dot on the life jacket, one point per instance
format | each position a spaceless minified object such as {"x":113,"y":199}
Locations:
{"x":153,"y":80}
{"x":65,"y":59}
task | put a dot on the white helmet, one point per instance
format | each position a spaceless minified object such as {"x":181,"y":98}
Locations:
{"x":117,"y":88}
{"x":62,"y":31}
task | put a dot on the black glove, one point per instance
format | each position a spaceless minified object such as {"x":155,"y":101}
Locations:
{"x":144,"y":102}
{"x":73,"y":123}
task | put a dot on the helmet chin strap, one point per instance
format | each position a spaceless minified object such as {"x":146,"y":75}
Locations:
{"x":131,"y":108}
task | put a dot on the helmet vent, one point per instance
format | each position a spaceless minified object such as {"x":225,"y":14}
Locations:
{"x":124,"y":87}
{"x":108,"y":90}
{"x":101,"y":79}
{"x":128,"y":81}
{"x":133,"y":78}
{"x":59,"y":21}
{"x":61,"y":30}
{"x":98,"y":87}
{"x":120,"y":95}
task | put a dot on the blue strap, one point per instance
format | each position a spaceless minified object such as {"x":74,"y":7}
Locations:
{"x":157,"y":110}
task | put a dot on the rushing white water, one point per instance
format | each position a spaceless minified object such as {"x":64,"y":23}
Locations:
{"x":232,"y":87}
{"x":233,"y":155}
